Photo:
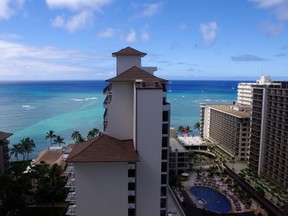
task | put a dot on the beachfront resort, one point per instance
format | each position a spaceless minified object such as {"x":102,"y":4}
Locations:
{"x":137,"y":165}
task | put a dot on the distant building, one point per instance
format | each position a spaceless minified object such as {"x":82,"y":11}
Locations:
{"x":124,"y":171}
{"x":228,"y":127}
{"x":244,"y":92}
{"x":269,"y":133}
{"x":4,"y":151}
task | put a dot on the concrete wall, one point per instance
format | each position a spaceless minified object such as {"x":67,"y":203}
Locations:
{"x":120,"y":114}
{"x":149,"y":137}
{"x":103,"y":187}
{"x":126,"y":62}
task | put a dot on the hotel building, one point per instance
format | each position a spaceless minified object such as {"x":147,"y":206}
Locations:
{"x":269,"y":133}
{"x":228,"y":127}
{"x":244,"y":91}
{"x":4,"y":151}
{"x":124,"y":171}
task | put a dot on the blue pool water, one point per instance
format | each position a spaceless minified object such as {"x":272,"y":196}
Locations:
{"x":214,"y":200}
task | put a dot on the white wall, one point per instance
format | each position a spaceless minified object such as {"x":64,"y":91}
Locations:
{"x":104,"y":189}
{"x":149,"y":137}
{"x":120,"y":113}
{"x":126,"y":62}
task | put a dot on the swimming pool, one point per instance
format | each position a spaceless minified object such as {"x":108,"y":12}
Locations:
{"x":212,"y":199}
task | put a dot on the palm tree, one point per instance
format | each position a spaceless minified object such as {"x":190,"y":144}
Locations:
{"x":59,"y":140}
{"x":77,"y":137}
{"x":16,"y":150}
{"x":28,"y":146}
{"x":197,"y":125}
{"x":180,"y":129}
{"x":188,"y":130}
{"x":50,"y":135}
{"x":93,"y":133}
{"x":51,"y":182}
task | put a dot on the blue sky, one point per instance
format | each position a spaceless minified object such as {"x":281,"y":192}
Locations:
{"x":187,"y":39}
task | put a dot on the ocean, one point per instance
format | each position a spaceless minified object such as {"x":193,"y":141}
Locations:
{"x":32,"y":108}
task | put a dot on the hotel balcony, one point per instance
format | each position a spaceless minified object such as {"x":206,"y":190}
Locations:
{"x":71,"y":210}
{"x":107,"y":101}
{"x":70,"y":197}
{"x":108,"y":89}
{"x":70,"y":183}
{"x":70,"y":169}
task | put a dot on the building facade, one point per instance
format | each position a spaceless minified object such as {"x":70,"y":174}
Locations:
{"x":228,"y":127}
{"x":4,"y":151}
{"x":125,"y":170}
{"x":269,"y":133}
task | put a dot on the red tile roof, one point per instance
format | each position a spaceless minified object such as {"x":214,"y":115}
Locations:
{"x":4,"y":135}
{"x":103,"y":149}
{"x":128,"y":51}
{"x":135,"y":73}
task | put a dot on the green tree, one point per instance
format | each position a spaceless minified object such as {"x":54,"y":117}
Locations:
{"x":51,"y":136}
{"x":51,"y":182}
{"x":197,"y":125}
{"x":77,"y":137}
{"x":93,"y":133}
{"x":180,"y":129}
{"x":188,"y":130}
{"x":28,"y":146}
{"x":59,"y":140}
{"x":16,"y":150}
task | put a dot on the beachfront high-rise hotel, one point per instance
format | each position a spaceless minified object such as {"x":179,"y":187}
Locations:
{"x":124,"y":171}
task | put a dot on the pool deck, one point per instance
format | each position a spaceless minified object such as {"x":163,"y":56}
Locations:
{"x":215,"y":183}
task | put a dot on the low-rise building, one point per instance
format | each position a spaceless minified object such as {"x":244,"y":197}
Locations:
{"x":4,"y":151}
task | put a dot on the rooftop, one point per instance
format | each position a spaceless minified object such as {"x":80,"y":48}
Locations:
{"x":138,"y":75}
{"x":4,"y":135}
{"x":174,"y":144}
{"x":191,"y":140}
{"x":232,"y":111}
{"x":104,"y":148}
{"x":128,"y":51}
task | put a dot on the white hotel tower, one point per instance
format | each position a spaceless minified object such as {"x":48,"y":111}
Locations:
{"x":124,"y":171}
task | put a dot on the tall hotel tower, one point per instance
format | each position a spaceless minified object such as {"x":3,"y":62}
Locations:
{"x":269,"y":133}
{"x":124,"y":171}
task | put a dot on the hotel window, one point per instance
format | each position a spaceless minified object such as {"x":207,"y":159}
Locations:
{"x":163,"y":191}
{"x":131,"y":199}
{"x":165,"y":115}
{"x":163,"y":203}
{"x":163,"y":167}
{"x":164,"y":141}
{"x":163,"y":179}
{"x":131,"y":212}
{"x":164,"y":154}
{"x":131,"y":186}
{"x":131,"y":173}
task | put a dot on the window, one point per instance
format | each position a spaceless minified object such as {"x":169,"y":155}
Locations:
{"x":131,"y":173}
{"x":163,"y":179}
{"x":131,"y":186}
{"x":131,"y":199}
{"x":131,"y":212}
{"x":164,"y":167}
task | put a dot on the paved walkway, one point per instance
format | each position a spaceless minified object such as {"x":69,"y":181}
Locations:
{"x":173,"y":206}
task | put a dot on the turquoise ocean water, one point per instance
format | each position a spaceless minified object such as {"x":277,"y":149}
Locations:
{"x":31,"y":109}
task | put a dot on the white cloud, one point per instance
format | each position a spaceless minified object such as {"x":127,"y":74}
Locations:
{"x":150,"y":9}
{"x":83,"y":12}
{"x":131,"y":37}
{"x":9,"y":7}
{"x":272,"y":29}
{"x":107,"y":33}
{"x":78,"y":5}
{"x":76,"y":22}
{"x":182,"y":26}
{"x":19,"y":61}
{"x":279,"y":7}
{"x":144,"y":33}
{"x":209,"y":33}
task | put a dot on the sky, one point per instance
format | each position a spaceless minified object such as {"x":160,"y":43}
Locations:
{"x":184,"y":39}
